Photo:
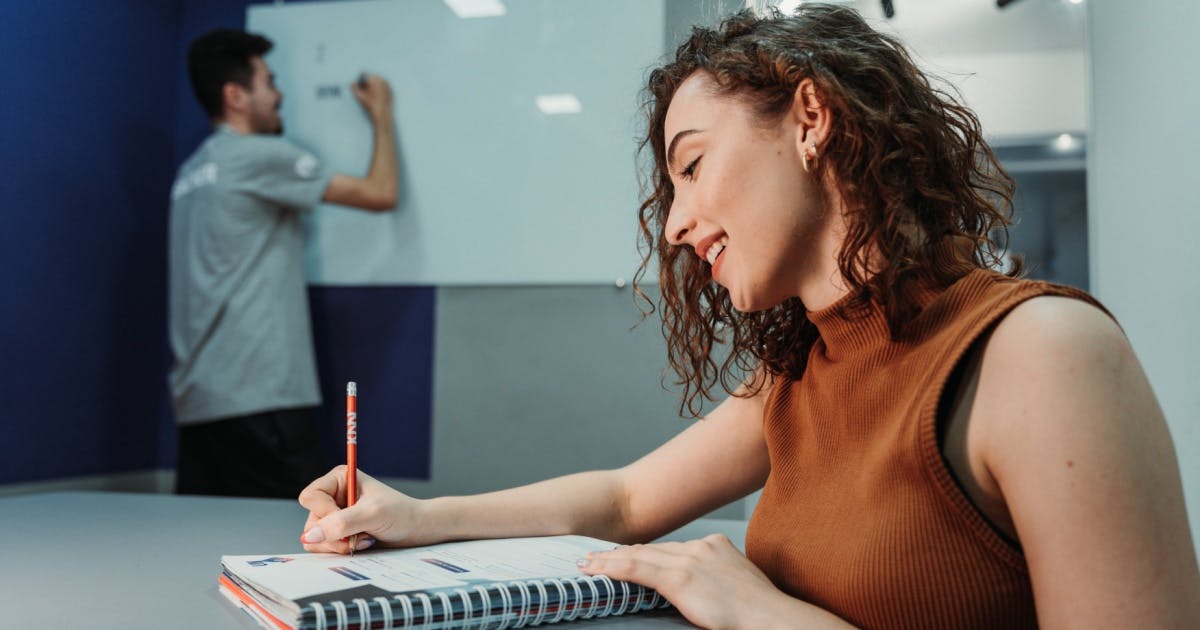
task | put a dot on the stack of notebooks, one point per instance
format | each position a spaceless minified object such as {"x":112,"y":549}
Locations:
{"x":504,"y":583}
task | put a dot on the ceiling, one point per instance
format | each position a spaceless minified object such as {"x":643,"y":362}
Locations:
{"x":964,"y":27}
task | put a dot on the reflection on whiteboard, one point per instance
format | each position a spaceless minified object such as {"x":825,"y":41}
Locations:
{"x":516,"y":133}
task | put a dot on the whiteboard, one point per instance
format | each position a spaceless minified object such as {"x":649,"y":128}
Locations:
{"x":493,"y":191}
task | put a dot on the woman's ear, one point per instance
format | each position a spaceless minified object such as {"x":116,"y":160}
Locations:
{"x":812,"y":116}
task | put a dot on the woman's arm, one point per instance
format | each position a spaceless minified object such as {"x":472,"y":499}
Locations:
{"x":716,"y":460}
{"x":1068,"y":430}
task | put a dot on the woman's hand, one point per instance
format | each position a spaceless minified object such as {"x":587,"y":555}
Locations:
{"x":711,"y":583}
{"x":381,"y":513}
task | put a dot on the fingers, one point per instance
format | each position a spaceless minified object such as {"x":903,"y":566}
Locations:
{"x":660,"y":566}
{"x":376,"y":83}
{"x":326,"y":493}
{"x":374,"y":96}
{"x":663,"y":566}
{"x":332,"y":533}
{"x":718,"y":541}
{"x":336,"y":533}
{"x":329,"y":526}
{"x":370,"y":88}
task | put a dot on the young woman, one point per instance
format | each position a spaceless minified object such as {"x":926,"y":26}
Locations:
{"x":939,"y":444}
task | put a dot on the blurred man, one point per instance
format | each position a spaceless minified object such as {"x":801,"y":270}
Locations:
{"x":244,"y":380}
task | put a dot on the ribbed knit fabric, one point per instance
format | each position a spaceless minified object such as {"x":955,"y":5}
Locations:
{"x":861,"y":515}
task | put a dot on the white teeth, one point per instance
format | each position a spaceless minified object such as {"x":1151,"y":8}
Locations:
{"x":715,"y":250}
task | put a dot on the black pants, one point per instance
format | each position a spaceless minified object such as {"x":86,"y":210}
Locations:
{"x":271,"y":454}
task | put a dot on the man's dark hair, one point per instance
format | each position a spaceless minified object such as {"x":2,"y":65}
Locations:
{"x":221,"y":56}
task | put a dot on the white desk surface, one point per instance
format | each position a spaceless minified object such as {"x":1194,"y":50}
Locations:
{"x":103,"y":560}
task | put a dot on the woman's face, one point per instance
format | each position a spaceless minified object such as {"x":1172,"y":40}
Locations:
{"x":742,"y":199}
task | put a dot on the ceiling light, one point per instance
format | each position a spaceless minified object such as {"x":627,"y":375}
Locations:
{"x":476,"y":8}
{"x":559,"y":104}
{"x":1064,"y":142}
{"x":788,"y":7}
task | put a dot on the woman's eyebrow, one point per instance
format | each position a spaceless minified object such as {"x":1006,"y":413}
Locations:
{"x":674,"y":141}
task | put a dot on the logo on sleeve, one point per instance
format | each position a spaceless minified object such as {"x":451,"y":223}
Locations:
{"x":203,"y":175}
{"x":306,"y":166}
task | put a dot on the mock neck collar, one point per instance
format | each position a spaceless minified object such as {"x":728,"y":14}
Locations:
{"x":845,"y":328}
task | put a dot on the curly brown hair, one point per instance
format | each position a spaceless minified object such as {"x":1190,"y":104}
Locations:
{"x":908,"y":160}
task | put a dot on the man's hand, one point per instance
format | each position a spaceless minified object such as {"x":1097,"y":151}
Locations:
{"x":375,"y":96}
{"x":380,"y":189}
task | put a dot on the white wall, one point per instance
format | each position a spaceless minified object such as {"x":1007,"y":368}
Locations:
{"x":1144,"y":207}
{"x":1020,"y":94}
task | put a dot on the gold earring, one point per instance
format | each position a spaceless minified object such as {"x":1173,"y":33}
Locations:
{"x":804,"y":158}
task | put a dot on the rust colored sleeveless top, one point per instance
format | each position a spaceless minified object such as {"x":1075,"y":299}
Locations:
{"x":860,"y":514}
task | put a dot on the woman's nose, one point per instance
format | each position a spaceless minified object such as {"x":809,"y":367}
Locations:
{"x":680,"y":225}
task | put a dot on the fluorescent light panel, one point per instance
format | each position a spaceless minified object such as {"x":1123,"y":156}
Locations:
{"x":476,"y":8}
{"x":559,"y":104}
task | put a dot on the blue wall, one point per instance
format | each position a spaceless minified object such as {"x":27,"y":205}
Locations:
{"x":96,"y":114}
{"x":87,"y":158}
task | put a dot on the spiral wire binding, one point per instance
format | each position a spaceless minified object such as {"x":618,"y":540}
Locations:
{"x":518,"y":605}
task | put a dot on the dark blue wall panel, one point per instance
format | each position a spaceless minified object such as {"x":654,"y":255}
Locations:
{"x":86,"y":156}
{"x":381,"y":338}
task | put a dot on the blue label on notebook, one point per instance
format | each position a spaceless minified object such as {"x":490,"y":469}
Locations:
{"x":265,"y":561}
{"x":353,"y":575}
{"x":445,"y":565}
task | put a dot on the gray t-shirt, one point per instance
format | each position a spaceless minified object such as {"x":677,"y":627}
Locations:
{"x":239,"y":320}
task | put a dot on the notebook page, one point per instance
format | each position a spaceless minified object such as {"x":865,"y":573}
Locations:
{"x":298,"y":576}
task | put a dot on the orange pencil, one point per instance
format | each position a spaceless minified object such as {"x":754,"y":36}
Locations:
{"x":352,"y":450}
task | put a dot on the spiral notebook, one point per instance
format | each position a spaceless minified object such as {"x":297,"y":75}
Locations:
{"x":503,"y":583}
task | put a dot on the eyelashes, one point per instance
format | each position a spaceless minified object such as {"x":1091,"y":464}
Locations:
{"x":689,"y":171}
